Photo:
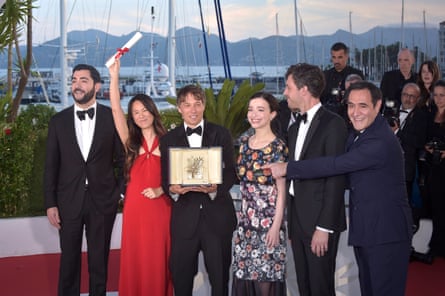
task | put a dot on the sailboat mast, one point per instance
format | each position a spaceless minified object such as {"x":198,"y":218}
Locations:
{"x":351,"y":46}
{"x":277,"y":49}
{"x":152,"y":90}
{"x":426,"y":37}
{"x":172,"y":45}
{"x":62,"y":53}
{"x":296,"y":32}
{"x":402,"y":41}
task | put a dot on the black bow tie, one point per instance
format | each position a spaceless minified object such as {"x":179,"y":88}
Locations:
{"x":197,"y":130}
{"x":403,"y":111}
{"x":81,"y":113}
{"x":302,"y":117}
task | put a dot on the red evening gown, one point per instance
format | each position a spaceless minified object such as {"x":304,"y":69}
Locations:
{"x":145,"y":247}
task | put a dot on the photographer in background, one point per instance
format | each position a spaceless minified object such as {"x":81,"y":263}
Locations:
{"x":410,"y":128}
{"x":434,"y":182}
{"x":332,"y":96}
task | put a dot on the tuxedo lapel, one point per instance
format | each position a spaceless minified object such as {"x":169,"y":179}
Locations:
{"x":292,"y":140}
{"x":100,"y":126}
{"x":70,"y":130}
{"x":208,"y":137}
{"x":311,"y":132}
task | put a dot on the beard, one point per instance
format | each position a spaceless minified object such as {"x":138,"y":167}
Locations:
{"x":87,"y":97}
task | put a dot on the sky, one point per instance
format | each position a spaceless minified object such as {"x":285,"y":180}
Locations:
{"x":242,"y":19}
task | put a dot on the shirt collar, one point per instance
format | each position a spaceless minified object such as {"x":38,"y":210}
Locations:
{"x":201,"y":124}
{"x":311,"y":112}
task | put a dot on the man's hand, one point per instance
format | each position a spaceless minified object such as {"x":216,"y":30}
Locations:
{"x":53,"y":217}
{"x":319,"y":243}
{"x":277,"y":169}
{"x":179,"y":189}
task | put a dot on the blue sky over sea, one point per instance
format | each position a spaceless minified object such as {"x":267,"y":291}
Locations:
{"x":243,"y":19}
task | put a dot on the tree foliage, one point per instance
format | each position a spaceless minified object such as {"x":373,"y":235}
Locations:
{"x":15,"y":16}
{"x":228,"y":108}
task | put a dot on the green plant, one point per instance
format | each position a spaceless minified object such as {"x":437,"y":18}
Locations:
{"x":231,"y":111}
{"x":227,"y":108}
{"x":21,"y":172}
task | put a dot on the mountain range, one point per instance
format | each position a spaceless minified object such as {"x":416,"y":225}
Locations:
{"x":95,"y":47}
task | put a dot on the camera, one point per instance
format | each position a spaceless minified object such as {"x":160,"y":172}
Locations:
{"x":335,"y":101}
{"x":391,"y":113}
{"x":437,"y":146}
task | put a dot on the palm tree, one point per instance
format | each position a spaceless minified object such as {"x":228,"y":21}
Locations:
{"x":14,"y":16}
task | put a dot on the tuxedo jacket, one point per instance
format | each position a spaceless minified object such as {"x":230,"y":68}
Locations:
{"x":392,"y":84}
{"x":284,"y":117}
{"x":379,"y":212}
{"x":66,"y":170}
{"x":412,"y":137}
{"x":186,"y":211}
{"x":319,"y":201}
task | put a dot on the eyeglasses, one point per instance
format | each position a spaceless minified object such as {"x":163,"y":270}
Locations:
{"x":409,"y":96}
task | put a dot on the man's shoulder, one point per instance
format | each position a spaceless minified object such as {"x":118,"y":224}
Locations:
{"x":63,"y":114}
{"x":214,"y":127}
{"x":391,"y":73}
{"x":352,"y":70}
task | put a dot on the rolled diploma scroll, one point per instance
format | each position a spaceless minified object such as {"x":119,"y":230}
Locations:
{"x":124,"y":48}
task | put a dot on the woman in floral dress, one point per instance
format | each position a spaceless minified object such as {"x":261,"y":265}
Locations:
{"x":259,"y":256}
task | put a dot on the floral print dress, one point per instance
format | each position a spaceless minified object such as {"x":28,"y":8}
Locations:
{"x":252,"y":259}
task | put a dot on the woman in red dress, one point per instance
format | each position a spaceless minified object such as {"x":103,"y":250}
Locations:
{"x":145,"y":246}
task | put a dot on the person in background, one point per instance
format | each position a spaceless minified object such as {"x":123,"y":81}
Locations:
{"x":434,"y":182}
{"x":83,"y":182}
{"x":428,"y":74}
{"x":394,"y":80}
{"x":286,"y":117}
{"x":380,"y":219}
{"x":203,"y":216}
{"x":350,"y":79}
{"x":332,"y":96}
{"x":410,"y":129}
{"x":316,"y":208}
{"x":259,"y":250}
{"x":145,"y":244}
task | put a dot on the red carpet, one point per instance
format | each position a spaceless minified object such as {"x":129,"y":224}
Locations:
{"x":426,"y":280}
{"x":37,"y":276}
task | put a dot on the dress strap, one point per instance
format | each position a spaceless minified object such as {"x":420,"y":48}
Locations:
{"x":155,"y":144}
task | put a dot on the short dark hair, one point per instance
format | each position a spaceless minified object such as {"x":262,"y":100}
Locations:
{"x":193,"y":89}
{"x":376,"y":94}
{"x":439,"y":83}
{"x":340,"y":46}
{"x":307,"y":75}
{"x":93,"y":71}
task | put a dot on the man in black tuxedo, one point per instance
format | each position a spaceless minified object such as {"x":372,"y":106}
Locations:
{"x":380,"y":227}
{"x":203,"y":217}
{"x":83,"y":184}
{"x":411,"y":131}
{"x":286,"y":117}
{"x":316,"y":209}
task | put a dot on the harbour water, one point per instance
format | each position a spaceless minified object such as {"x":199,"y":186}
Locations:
{"x":160,"y":104}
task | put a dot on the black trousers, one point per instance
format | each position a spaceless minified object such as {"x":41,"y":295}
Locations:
{"x":217,"y":251}
{"x":98,"y":228}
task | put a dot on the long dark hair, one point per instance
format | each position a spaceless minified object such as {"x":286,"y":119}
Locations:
{"x":135,"y":136}
{"x":425,"y":94}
